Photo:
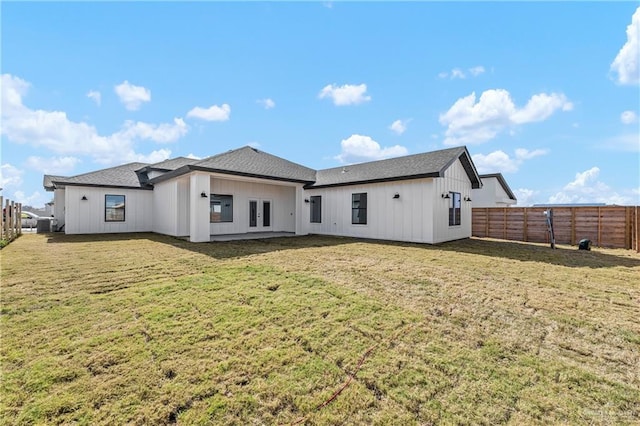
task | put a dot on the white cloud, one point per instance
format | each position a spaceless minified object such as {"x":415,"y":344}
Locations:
{"x":54,"y":131}
{"x":477,"y":70}
{"x":35,"y":199}
{"x":53,"y":165}
{"x":459,"y":73}
{"x":628,"y":117}
{"x":359,"y":148}
{"x":525,"y":197}
{"x":162,"y":133}
{"x":349,"y":94}
{"x":267,"y":103}
{"x":469,"y":122}
{"x":132,"y":96}
{"x":399,"y":126}
{"x":194,"y":157}
{"x":629,"y":142}
{"x":153,"y":157}
{"x":213,"y":113}
{"x":10,"y":176}
{"x":626,"y":65}
{"x":95,"y":96}
{"x":501,"y":162}
{"x":586,"y":188}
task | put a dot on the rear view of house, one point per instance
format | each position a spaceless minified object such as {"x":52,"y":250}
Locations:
{"x":418,"y":198}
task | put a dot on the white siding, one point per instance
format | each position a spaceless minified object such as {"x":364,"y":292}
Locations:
{"x":165,"y":211}
{"x":282,"y":198}
{"x":59,"y":207}
{"x":88,"y":216}
{"x":183,"y":206}
{"x":455,"y":180}
{"x":407,"y":218}
{"x":492,"y":194}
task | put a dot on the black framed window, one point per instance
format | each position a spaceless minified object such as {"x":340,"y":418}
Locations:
{"x":359,"y":208}
{"x":221,"y":208}
{"x":114,"y":208}
{"x":455,"y":208}
{"x":316,"y":209}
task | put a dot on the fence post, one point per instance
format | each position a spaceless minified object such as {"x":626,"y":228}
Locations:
{"x":1,"y":219}
{"x":573,"y":226}
{"x":19,"y":218}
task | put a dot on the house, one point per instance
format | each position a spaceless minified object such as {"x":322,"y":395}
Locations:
{"x":495,"y":192}
{"x":417,"y":198}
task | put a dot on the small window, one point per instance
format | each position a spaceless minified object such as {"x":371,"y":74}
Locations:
{"x":114,"y":207}
{"x":454,"y":209}
{"x":316,"y":209}
{"x":221,"y":208}
{"x":359,"y":208}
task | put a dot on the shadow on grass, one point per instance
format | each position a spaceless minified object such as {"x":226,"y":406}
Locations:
{"x":529,"y":252}
{"x":526,"y":252}
{"x":217,"y":250}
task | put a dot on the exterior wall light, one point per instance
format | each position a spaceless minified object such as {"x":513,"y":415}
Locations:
{"x":396,"y":196}
{"x":84,"y":198}
{"x":306,"y":200}
{"x":204,"y":194}
{"x":446,"y":195}
{"x":467,"y":198}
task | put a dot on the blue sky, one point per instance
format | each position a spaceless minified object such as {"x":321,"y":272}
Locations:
{"x":545,"y":93}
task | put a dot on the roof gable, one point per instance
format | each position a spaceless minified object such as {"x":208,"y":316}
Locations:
{"x":248,"y":161}
{"x":502,"y":182}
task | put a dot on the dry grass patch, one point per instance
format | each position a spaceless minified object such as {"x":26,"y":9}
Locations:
{"x":147,"y":329}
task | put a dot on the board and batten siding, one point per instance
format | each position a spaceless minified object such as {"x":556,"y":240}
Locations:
{"x":281,"y":196}
{"x":171,"y":207}
{"x":407,"y":218}
{"x":59,"y":207}
{"x":455,"y":180}
{"x":88,"y":216}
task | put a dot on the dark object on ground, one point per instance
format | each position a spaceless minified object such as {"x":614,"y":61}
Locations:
{"x":584,"y":244}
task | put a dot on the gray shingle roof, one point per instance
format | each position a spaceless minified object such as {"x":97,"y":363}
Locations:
{"x":124,"y":176}
{"x":47,"y":181}
{"x":430,"y":164}
{"x":249,"y":161}
{"x":172,"y":163}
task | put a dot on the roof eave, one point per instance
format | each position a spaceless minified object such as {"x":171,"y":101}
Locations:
{"x":193,"y":168}
{"x":380,"y":180}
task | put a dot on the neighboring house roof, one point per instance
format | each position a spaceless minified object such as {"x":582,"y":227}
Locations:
{"x":124,"y":176}
{"x":47,"y":181}
{"x":249,"y":162}
{"x":502,"y":182}
{"x":429,"y":164}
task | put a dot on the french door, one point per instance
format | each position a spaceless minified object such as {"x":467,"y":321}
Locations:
{"x":259,"y":215}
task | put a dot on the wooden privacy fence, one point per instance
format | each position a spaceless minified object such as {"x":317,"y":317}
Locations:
{"x":10,"y":220}
{"x":605,"y":226}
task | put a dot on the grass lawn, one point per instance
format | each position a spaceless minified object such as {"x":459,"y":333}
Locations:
{"x":147,"y":329}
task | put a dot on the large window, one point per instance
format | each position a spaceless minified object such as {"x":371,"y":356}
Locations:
{"x":454,"y":209}
{"x":221,"y":208}
{"x":114,"y":208}
{"x":359,"y":208}
{"x":316,"y":209}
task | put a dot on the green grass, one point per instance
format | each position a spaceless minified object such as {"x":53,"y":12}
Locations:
{"x":146,"y":329}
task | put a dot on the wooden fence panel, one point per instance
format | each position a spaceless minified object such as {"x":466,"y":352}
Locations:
{"x":605,"y":226}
